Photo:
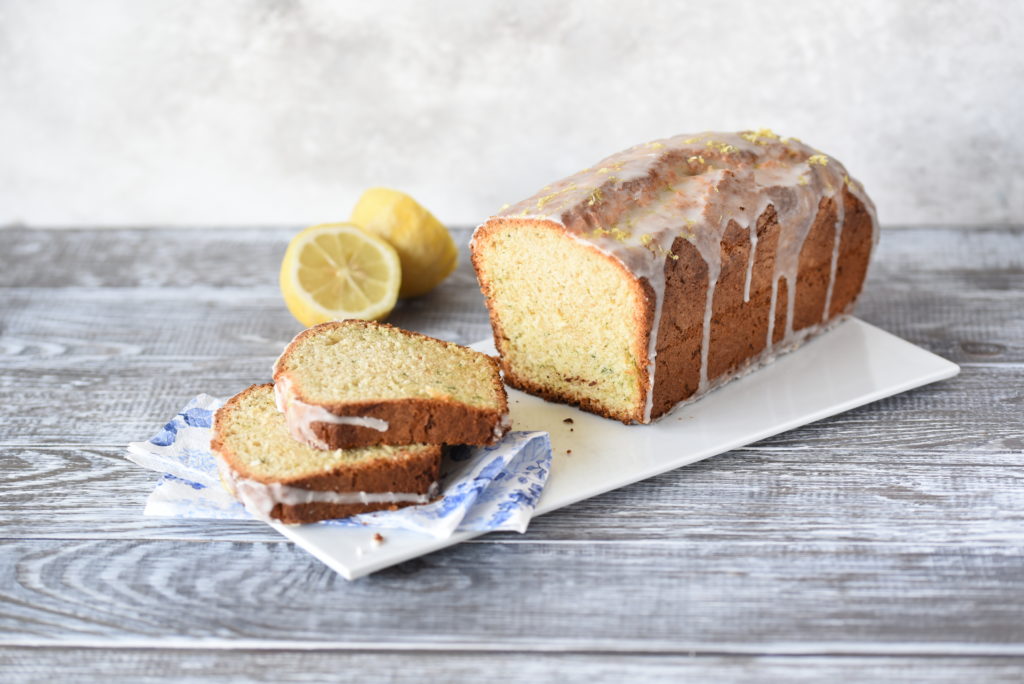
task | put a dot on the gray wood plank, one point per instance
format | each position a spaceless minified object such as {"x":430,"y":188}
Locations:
{"x":875,"y":543}
{"x":149,"y":665}
{"x":972,"y":313}
{"x":967,"y":324}
{"x":159,"y":257}
{"x":743,"y":496}
{"x":116,"y":403}
{"x":768,"y":596}
{"x":951,"y":251}
{"x":183,"y":257}
{"x":196,"y":322}
{"x":963,"y":323}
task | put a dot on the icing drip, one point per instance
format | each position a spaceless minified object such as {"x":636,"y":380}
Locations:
{"x":300,"y":416}
{"x":502,"y":426}
{"x":752,"y":231}
{"x":633,"y":205}
{"x":259,"y":498}
{"x":709,"y":302}
{"x":771,"y":312}
{"x":840,"y":219}
{"x":652,"y":344}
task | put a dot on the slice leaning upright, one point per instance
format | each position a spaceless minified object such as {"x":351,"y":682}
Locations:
{"x":354,"y":383}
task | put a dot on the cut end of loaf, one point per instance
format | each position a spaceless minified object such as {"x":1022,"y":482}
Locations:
{"x":569,"y":322}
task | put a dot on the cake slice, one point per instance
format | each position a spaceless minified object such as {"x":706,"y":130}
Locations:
{"x":665,"y":270}
{"x":278,"y":478}
{"x":358,"y":383}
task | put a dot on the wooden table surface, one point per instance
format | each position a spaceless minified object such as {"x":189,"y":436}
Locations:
{"x":885,"y":543}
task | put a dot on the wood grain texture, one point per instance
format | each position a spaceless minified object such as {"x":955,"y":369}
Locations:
{"x":184,"y":257}
{"x":745,"y":496}
{"x":127,"y":401}
{"x":769,"y":596}
{"x":147,"y":665}
{"x":882,"y":544}
{"x":121,"y":303}
{"x":158,"y":257}
{"x":965,"y":323}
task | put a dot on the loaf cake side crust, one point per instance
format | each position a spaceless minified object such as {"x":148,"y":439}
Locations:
{"x":749,"y":244}
{"x":856,"y":243}
{"x":741,"y":330}
{"x":413,"y":420}
{"x":313,"y":485}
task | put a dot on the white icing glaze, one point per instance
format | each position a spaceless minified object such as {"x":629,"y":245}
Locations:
{"x":502,"y":426}
{"x":701,"y":184}
{"x":300,"y":416}
{"x":751,"y":257}
{"x":259,"y":498}
{"x":837,"y":237}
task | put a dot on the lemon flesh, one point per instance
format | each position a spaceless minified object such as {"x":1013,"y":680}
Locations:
{"x":425,"y":248}
{"x":336,"y":271}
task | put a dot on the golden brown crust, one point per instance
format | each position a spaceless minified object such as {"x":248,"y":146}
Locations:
{"x":315,"y":512}
{"x":410,"y":421}
{"x":414,"y":421}
{"x":739,"y":328}
{"x":416,"y":473}
{"x":680,"y":335}
{"x":855,"y":244}
{"x":642,"y":321}
{"x":413,"y":472}
{"x":815,"y":267}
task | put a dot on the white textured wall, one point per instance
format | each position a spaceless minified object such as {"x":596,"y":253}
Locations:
{"x":230,"y":113}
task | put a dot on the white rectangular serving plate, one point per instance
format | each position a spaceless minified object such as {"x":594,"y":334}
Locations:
{"x":852,"y":365}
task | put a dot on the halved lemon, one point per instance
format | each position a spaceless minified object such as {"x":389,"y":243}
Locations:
{"x":424,"y":245}
{"x":336,"y":271}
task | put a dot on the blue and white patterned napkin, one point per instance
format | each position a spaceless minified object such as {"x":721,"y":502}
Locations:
{"x":483,"y":488}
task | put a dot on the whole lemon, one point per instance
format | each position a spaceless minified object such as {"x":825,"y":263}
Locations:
{"x":425,"y":247}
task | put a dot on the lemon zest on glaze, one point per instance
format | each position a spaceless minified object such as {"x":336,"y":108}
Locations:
{"x":760,"y":136}
{"x":723,"y":147}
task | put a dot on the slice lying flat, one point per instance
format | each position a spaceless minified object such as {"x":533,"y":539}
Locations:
{"x":336,"y":271}
{"x":358,"y":383}
{"x":280,"y":478}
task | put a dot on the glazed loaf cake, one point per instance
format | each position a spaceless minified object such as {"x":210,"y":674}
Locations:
{"x":669,"y":268}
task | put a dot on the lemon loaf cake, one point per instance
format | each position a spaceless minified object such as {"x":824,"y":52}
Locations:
{"x":277,"y":477}
{"x":359,"y":383}
{"x":669,"y":268}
